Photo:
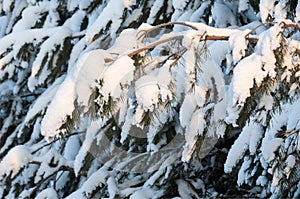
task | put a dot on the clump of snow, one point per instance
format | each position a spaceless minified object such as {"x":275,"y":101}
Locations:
{"x":128,"y":3}
{"x":88,"y":70}
{"x":7,"y":5}
{"x":120,"y":72}
{"x":16,"y":158}
{"x":126,"y":41}
{"x":144,"y":193}
{"x":43,"y":100}
{"x":48,"y":193}
{"x":75,"y":21}
{"x":291,"y":161}
{"x":32,"y":14}
{"x":297,"y":19}
{"x":269,"y":146}
{"x":106,"y":16}
{"x":196,"y":15}
{"x":76,"y":86}
{"x":240,"y":146}
{"x":222,"y":15}
{"x":194,"y":129}
{"x":238,"y":44}
{"x":187,"y":108}
{"x":60,"y":108}
{"x":154,"y":10}
{"x":112,"y":187}
{"x":98,"y":178}
{"x":265,"y":7}
{"x":293,"y":122}
{"x":243,"y":175}
{"x":246,"y":71}
{"x":179,"y":4}
{"x":46,"y":50}
{"x":92,"y":131}
{"x":243,"y":5}
{"x":72,"y":147}
{"x":280,"y":11}
{"x":152,"y":88}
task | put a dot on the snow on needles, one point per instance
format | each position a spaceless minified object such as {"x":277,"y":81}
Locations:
{"x":16,"y":158}
{"x":252,"y":69}
{"x":108,"y":14}
{"x":120,"y":72}
{"x":60,"y":108}
{"x":154,"y":87}
{"x":237,"y":41}
{"x":247,"y":140}
{"x":77,"y":85}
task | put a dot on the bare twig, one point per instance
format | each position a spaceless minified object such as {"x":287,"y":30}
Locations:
{"x":284,"y":25}
{"x":77,"y":36}
{"x":142,"y":33}
{"x":205,"y":38}
{"x":260,"y":25}
{"x":216,"y":38}
{"x":154,"y":44}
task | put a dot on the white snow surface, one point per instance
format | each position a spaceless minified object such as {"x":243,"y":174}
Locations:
{"x":77,"y":85}
{"x":49,"y":45}
{"x":152,"y":88}
{"x":60,"y":108}
{"x":265,"y":7}
{"x":98,"y":178}
{"x":237,"y":41}
{"x":223,"y":15}
{"x":243,"y":5}
{"x":15,"y":159}
{"x":108,"y":14}
{"x":91,"y":133}
{"x":48,"y":193}
{"x":120,"y":72}
{"x":247,"y":140}
{"x":88,"y":70}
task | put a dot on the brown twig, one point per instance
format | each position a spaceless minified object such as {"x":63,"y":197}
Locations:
{"x":145,"y":32}
{"x":205,"y":38}
{"x":216,"y":38}
{"x":154,"y":44}
{"x":77,"y":36}
{"x":284,"y":25}
{"x":260,"y":25}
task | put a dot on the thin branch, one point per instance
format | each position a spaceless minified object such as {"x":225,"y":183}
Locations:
{"x":284,"y":25}
{"x":174,"y":23}
{"x":260,"y":25}
{"x":220,"y":38}
{"x":154,"y":44}
{"x":69,"y":135}
{"x":144,"y":32}
{"x":77,"y":36}
{"x":61,"y":168}
{"x":205,"y":38}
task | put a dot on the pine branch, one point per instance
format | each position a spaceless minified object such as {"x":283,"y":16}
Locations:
{"x":220,"y":38}
{"x":202,"y":38}
{"x":61,"y":168}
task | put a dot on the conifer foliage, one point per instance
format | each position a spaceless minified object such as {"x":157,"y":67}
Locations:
{"x":149,"y":99}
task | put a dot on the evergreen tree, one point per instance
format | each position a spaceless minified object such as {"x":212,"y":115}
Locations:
{"x":144,"y":99}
